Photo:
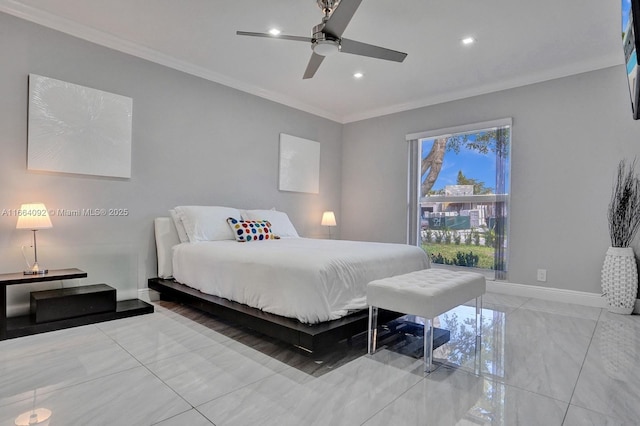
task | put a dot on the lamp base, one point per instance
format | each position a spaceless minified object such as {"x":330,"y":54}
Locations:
{"x":36,"y":270}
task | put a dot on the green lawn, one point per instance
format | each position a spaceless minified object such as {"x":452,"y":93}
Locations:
{"x":448,"y":251}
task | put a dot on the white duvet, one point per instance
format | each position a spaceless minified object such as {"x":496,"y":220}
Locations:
{"x":308,"y":279}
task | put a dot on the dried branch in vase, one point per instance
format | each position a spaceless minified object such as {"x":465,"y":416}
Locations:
{"x":624,"y":208}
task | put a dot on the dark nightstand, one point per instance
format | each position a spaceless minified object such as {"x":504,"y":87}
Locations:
{"x":26,"y":324}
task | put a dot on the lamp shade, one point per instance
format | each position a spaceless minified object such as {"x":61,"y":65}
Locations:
{"x":33,"y":216}
{"x":328,"y":219}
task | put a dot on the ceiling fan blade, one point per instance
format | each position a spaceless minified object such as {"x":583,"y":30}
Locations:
{"x":340,"y":17}
{"x":314,"y":64}
{"x":364,"y":49}
{"x":267,"y":35}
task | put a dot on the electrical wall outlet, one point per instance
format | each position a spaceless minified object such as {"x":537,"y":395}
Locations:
{"x":542,"y":275}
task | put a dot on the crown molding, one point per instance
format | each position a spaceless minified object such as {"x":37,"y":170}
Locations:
{"x":609,"y":61}
{"x":75,"y":29}
{"x":111,"y":41}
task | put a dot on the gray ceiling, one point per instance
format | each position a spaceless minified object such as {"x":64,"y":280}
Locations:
{"x":518,"y":42}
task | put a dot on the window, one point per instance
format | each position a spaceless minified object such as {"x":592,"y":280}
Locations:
{"x":459,"y":195}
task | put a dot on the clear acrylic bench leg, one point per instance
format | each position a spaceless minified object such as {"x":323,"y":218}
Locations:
{"x":372,"y":336}
{"x":477,"y":364}
{"x":428,"y":345}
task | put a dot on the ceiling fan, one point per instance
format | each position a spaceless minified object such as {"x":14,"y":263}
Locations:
{"x":327,"y":38}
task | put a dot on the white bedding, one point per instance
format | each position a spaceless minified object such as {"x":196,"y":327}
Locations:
{"x":308,"y":279}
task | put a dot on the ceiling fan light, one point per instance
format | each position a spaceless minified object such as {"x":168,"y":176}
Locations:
{"x":326,"y":47}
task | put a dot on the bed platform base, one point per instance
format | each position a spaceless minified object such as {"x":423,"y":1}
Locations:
{"x":309,"y":338}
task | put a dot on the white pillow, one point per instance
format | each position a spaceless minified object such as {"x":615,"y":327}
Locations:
{"x":280,"y":223}
{"x":207,"y":223}
{"x":182,"y":234}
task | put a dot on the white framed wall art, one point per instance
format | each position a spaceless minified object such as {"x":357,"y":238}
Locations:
{"x":77,"y":129}
{"x":299,"y":164}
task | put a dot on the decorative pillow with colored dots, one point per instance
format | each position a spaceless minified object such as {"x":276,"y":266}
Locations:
{"x":251,"y":230}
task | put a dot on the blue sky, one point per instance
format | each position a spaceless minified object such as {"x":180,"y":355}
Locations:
{"x":473,"y":165}
{"x":626,"y":5}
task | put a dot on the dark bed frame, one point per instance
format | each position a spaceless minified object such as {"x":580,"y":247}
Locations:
{"x":309,"y":338}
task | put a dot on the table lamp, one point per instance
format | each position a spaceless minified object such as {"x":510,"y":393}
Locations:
{"x":328,"y":219}
{"x":34,"y":216}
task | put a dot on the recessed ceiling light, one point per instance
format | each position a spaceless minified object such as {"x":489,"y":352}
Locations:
{"x":358,"y":75}
{"x":274,"y":31}
{"x":468,"y":40}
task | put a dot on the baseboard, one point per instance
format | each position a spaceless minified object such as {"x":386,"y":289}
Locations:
{"x":148,"y":295}
{"x":548,"y":293}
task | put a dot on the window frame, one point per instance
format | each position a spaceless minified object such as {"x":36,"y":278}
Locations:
{"x":414,"y":178}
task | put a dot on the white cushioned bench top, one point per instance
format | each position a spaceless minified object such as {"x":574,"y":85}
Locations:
{"x":426,"y":293}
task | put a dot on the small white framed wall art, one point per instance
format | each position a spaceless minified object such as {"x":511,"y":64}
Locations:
{"x":77,"y":129}
{"x":299,"y":164}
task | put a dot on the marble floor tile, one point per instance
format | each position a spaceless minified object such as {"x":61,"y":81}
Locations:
{"x":451,"y":397}
{"x":73,"y":357}
{"x":578,"y":416}
{"x":609,"y":382}
{"x":566,"y":309}
{"x":207,"y":373}
{"x":506,"y":300}
{"x":190,"y":418}
{"x":542,"y":362}
{"x":155,"y":336}
{"x":539,"y":352}
{"x":271,"y":401}
{"x":47,"y":343}
{"x":133,"y":397}
{"x":345,"y":396}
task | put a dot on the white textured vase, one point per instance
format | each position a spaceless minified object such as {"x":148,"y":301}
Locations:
{"x":620,"y":279}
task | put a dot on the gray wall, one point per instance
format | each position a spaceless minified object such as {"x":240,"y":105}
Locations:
{"x":194,"y":142}
{"x":568,"y":137}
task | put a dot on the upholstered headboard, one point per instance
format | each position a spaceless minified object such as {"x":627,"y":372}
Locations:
{"x":166,"y":238}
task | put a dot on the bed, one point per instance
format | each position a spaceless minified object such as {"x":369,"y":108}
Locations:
{"x":307,"y":292}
